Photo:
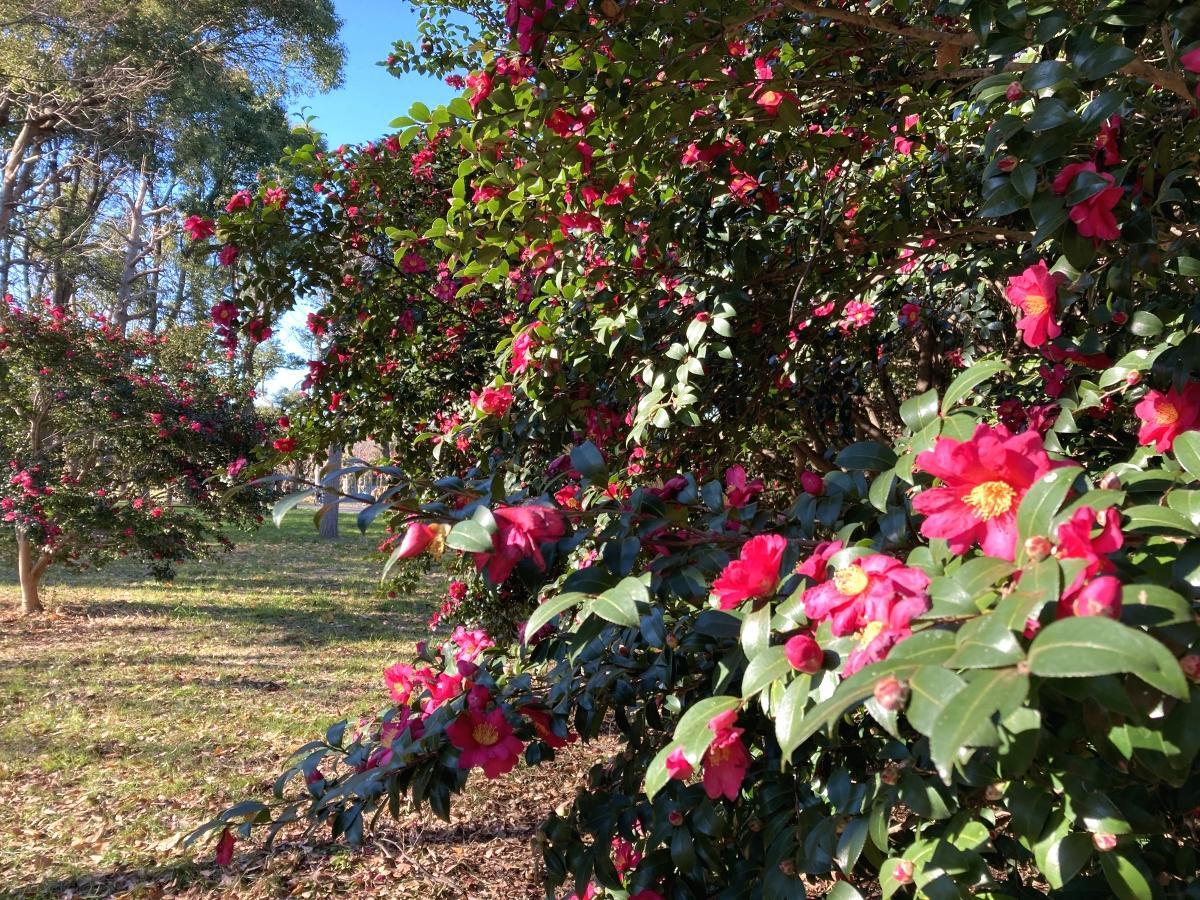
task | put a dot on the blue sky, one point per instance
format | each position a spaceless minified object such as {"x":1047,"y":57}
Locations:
{"x":361,"y":109}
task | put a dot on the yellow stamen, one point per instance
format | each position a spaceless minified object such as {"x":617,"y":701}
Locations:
{"x":850,"y":581}
{"x":1036,"y":304}
{"x":869,"y":633}
{"x":1165,"y":413}
{"x":991,"y":499}
{"x":485,"y":734}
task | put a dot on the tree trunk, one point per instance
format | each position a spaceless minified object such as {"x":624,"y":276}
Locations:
{"x":331,"y":501}
{"x":30,"y":574}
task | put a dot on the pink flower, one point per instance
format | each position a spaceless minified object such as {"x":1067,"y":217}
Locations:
{"x":522,"y":345}
{"x":199,"y":228}
{"x":1075,"y":541}
{"x":258,"y":330}
{"x":225,"y":848}
{"x":1099,"y":597}
{"x":625,"y":856}
{"x":227,"y":255}
{"x":417,"y":538}
{"x":486,"y":740}
{"x":470,"y":643}
{"x":804,"y":654}
{"x":857,"y":315}
{"x":1166,"y":416}
{"x":726,"y":760}
{"x":493,"y":401}
{"x":1035,"y":293}
{"x":983,"y":481}
{"x":413,"y":264}
{"x":1062,"y":181}
{"x":755,"y":573}
{"x":276,"y":196}
{"x":868,"y":594}
{"x":1107,"y":141}
{"x":739,"y":492}
{"x":240,"y":200}
{"x":480,"y":84}
{"x":910,"y":315}
{"x":1094,"y":218}
{"x":1191,"y":60}
{"x":402,"y":679}
{"x":678,"y":768}
{"x":812,"y":483}
{"x":520,"y":532}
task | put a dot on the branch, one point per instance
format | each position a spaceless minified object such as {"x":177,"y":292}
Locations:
{"x":879,"y":23}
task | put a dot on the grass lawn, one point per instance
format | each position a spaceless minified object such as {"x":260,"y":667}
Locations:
{"x":136,"y":710}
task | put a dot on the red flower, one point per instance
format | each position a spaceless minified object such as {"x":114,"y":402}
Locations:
{"x":225,"y":848}
{"x":678,"y":767}
{"x":199,"y":228}
{"x":284,"y":444}
{"x":1191,"y":60}
{"x":258,"y":330}
{"x":1062,"y":181}
{"x":983,"y":482}
{"x":413,"y":264}
{"x":1107,"y":141}
{"x":755,"y":573}
{"x":1035,"y":293}
{"x":520,"y":532}
{"x":227,"y":255}
{"x":1093,"y":217}
{"x":804,"y":654}
{"x":486,"y":740}
{"x":726,"y":760}
{"x":480,"y":84}
{"x":812,"y":483}
{"x":542,"y":722}
{"x":1166,"y":416}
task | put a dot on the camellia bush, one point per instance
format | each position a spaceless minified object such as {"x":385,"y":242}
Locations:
{"x":839,"y":453}
{"x":114,"y":446}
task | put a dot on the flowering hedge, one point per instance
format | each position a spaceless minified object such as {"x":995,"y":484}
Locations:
{"x":114,"y":446}
{"x":840,"y":449}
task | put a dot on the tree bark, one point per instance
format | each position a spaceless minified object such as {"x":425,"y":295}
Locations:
{"x":327,"y":526}
{"x":30,"y":573}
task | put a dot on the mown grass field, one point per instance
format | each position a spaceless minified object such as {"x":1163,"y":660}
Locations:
{"x":135,"y":710}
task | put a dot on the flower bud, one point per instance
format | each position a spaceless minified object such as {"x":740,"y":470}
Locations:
{"x":1103,"y":841}
{"x":890,"y":692}
{"x":1191,"y":666}
{"x":804,"y":654}
{"x":787,"y":867}
{"x":675,"y":817}
{"x":1099,"y":597}
{"x":1110,"y":482}
{"x":902,"y":872}
{"x":812,"y":483}
{"x":1014,"y":92}
{"x":1037,"y":547}
{"x":1006,"y":163}
{"x":1133,"y":377}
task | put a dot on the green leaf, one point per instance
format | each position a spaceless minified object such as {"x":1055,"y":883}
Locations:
{"x":619,"y":604}
{"x":844,"y":890}
{"x":929,"y":692}
{"x":281,"y":507}
{"x":1051,"y":113}
{"x":985,"y":643}
{"x":1084,"y":646}
{"x":851,"y":692}
{"x":470,"y":536}
{"x":756,"y":631}
{"x":791,"y":708}
{"x":1062,"y":858}
{"x":1040,"y":503}
{"x":1126,"y":874}
{"x":551,"y":608}
{"x":768,"y":666}
{"x":919,"y":411}
{"x":589,"y":462}
{"x":1101,"y":60}
{"x":969,"y":712}
{"x":867,"y":455}
{"x":1045,"y":74}
{"x":1186,"y":448}
{"x":1157,"y":518}
{"x":968,"y":380}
